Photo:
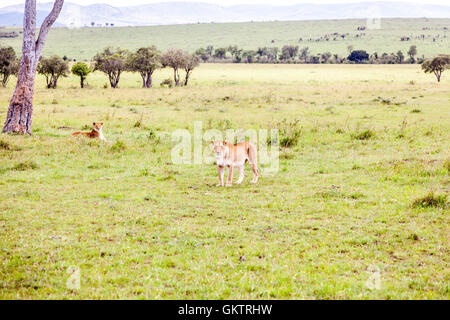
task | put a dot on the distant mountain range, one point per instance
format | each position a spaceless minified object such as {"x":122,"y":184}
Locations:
{"x":197,"y":12}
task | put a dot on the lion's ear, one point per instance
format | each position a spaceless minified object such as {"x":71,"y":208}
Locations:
{"x":93,"y":123}
{"x":101,"y":123}
{"x":224,"y":142}
{"x":212,"y":142}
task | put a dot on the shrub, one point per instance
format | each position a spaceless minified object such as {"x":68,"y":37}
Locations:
{"x":447,"y":165}
{"x":152,"y":136}
{"x":289,"y":133}
{"x":431,"y":201}
{"x":26,"y":165}
{"x":363,"y":135}
{"x":167,"y":82}
{"x":414,"y":237}
{"x":5,"y":145}
{"x":118,"y":146}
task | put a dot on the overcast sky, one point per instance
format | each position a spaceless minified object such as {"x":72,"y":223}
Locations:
{"x":119,"y":3}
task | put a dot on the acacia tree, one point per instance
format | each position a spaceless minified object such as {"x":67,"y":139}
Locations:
{"x":145,"y":61}
{"x":236,"y":53}
{"x":191,"y":62}
{"x":202,"y":54}
{"x":220,"y":53}
{"x":8,"y":64}
{"x":52,"y":68}
{"x":412,"y":53}
{"x":19,"y":116}
{"x":304,"y":53}
{"x":358,"y":56}
{"x":112,"y":63}
{"x":81,"y":70}
{"x":289,"y":52}
{"x":176,"y":59}
{"x":325,"y":57}
{"x":400,"y":57}
{"x":249,"y":56}
{"x":437,"y":65}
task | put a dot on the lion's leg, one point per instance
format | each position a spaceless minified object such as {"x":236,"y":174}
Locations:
{"x":241,"y":174}
{"x":221,"y":172}
{"x":230,"y":176}
{"x":255,"y":173}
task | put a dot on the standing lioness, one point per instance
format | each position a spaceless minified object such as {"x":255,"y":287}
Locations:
{"x":235,"y":155}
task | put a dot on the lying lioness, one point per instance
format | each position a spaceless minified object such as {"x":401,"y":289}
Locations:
{"x":235,"y":155}
{"x":95,"y":133}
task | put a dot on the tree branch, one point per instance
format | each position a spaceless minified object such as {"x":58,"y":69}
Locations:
{"x":29,"y":23}
{"x":46,"y":25}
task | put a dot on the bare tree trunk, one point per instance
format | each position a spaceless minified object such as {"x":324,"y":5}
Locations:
{"x":148,"y":83}
{"x":187,"y":77}
{"x":176,"y":77}
{"x":146,"y":79}
{"x":114,"y":79}
{"x":438,"y":75}
{"x":19,"y":116}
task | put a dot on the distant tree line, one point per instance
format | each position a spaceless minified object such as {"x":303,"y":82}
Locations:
{"x":295,"y":54}
{"x":112,"y":62}
{"x":145,"y":61}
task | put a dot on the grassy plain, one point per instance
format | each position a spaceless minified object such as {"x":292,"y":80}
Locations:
{"x":84,"y":43}
{"x":335,"y":219}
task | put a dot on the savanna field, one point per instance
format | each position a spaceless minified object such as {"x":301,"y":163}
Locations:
{"x":84,"y":43}
{"x":358,"y":209}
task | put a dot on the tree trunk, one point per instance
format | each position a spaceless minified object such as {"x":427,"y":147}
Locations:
{"x":20,"y":112}
{"x":55,"y":80}
{"x":48,"y":81}
{"x":176,"y":77}
{"x":114,"y":79}
{"x":19,"y":116}
{"x":5,"y":80}
{"x":187,"y":77}
{"x":438,"y":75}
{"x":82,"y":82}
{"x":148,"y":82}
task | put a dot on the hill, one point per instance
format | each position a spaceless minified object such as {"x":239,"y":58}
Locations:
{"x":181,"y":13}
{"x":84,"y":43}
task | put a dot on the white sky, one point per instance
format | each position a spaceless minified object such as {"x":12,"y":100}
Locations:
{"x":118,"y":3}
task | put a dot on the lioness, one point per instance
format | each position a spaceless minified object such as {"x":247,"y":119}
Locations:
{"x":95,"y":133}
{"x":229,"y":155}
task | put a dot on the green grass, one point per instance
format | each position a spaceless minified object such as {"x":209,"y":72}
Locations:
{"x":138,"y":226}
{"x":86,"y":42}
